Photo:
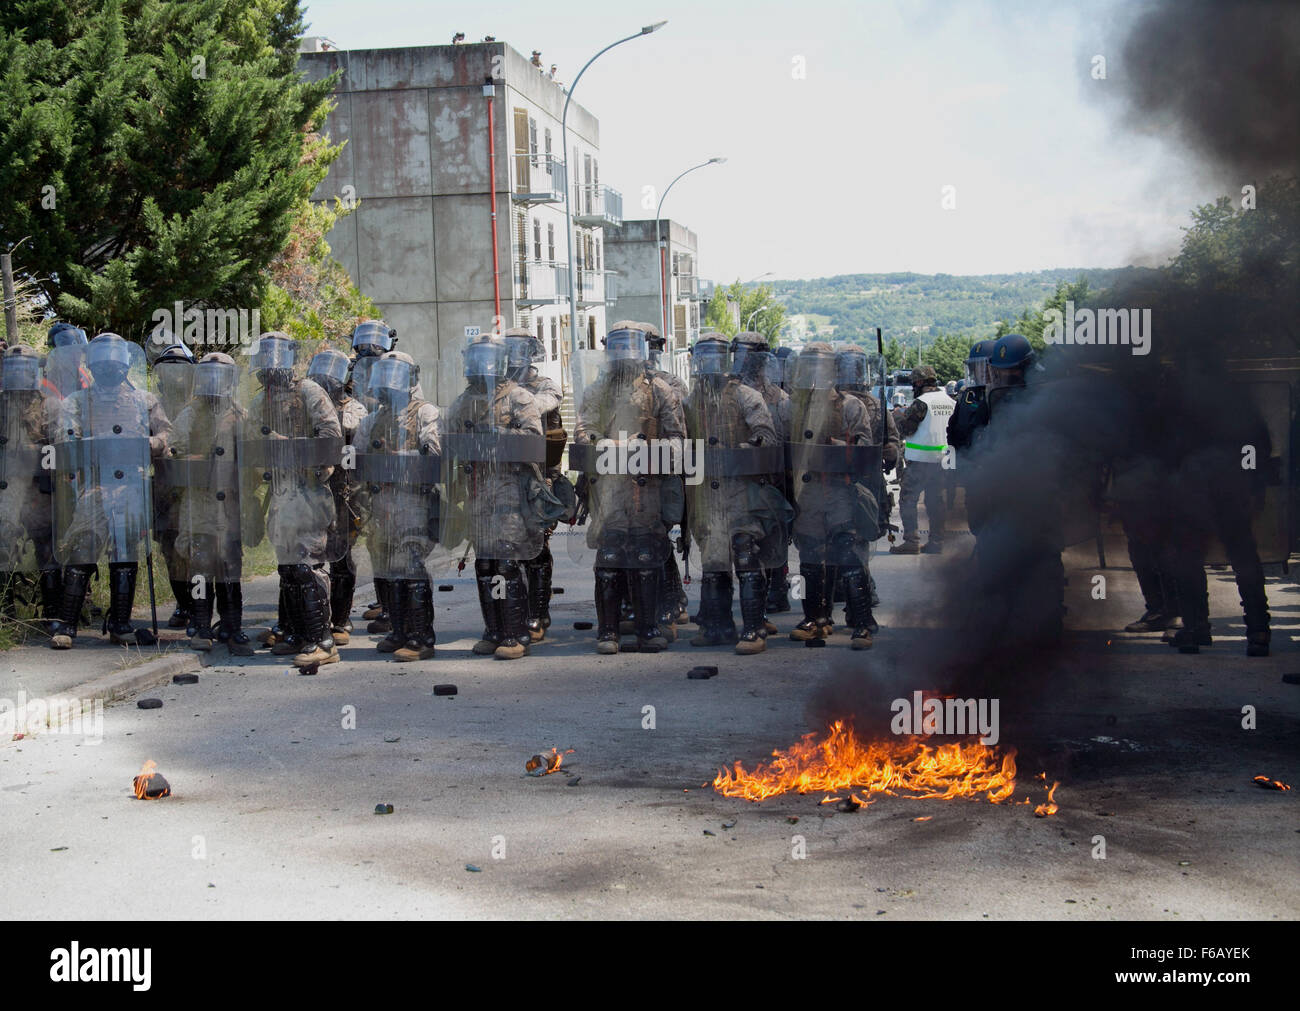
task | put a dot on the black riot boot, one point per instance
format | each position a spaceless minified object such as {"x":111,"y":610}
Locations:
{"x":484,"y":576}
{"x":317,"y":643}
{"x":644,"y":587}
{"x":182,"y":617}
{"x":343,"y":582}
{"x":417,"y":620}
{"x":674,"y":608}
{"x":382,"y":624}
{"x":270,"y":636}
{"x":540,"y":571}
{"x":1258,"y":636}
{"x":230,"y":606}
{"x":514,"y":613}
{"x":712,"y":631}
{"x":76,"y":581}
{"x":200,"y":627}
{"x":812,"y":626}
{"x":121,"y":599}
{"x":858,"y":606}
{"x":395,"y":600}
{"x":1194,"y":605}
{"x":51,"y":594}
{"x":778,"y":590}
{"x":609,"y":594}
{"x":753,"y":597}
{"x":288,"y":640}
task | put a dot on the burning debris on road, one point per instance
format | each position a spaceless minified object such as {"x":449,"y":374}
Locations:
{"x":906,"y":766}
{"x":150,"y":785}
{"x":544,"y":765}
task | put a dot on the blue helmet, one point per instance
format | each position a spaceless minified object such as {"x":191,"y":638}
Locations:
{"x":65,"y":334}
{"x":1012,"y":351}
{"x":980,"y":349}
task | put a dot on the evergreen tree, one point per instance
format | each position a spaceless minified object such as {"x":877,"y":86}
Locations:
{"x":153,"y":150}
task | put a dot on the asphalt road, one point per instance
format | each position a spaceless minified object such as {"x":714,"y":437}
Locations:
{"x":272,"y":813}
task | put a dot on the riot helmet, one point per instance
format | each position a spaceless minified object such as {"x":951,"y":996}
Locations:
{"x":783,"y":362}
{"x":329,"y":370}
{"x":215,"y":376}
{"x":373,"y":338}
{"x":1011,"y":356}
{"x":977,"y":362}
{"x":711,"y":358}
{"x":109,"y":359}
{"x":923,"y":376}
{"x":486,"y":359}
{"x":274,"y":359}
{"x":815,"y":367}
{"x":750,"y":356}
{"x":626,"y":342}
{"x":21,"y":370}
{"x":65,"y":334}
{"x":852,"y":370}
{"x":522,"y":349}
{"x":655,"y":345}
{"x":393,"y":379}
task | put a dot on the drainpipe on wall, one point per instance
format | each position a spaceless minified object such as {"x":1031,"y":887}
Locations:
{"x":489,"y":91}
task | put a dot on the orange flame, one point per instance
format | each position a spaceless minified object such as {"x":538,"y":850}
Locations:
{"x":1043,"y":810}
{"x":143,"y":783}
{"x":552,"y":762}
{"x":904,"y":766}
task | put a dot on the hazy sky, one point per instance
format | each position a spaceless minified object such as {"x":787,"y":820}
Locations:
{"x":843,"y":171}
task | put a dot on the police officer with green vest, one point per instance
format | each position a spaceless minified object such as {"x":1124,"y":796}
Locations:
{"x":923,"y":428}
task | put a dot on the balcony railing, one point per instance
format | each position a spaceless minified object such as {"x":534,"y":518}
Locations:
{"x":687,"y":286}
{"x":541,"y":283}
{"x":611,"y":287}
{"x":539,"y":179}
{"x":590,"y":289}
{"x":598,"y":205}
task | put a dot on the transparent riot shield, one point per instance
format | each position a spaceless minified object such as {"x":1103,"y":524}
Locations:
{"x":494,"y":447}
{"x":732,"y":498}
{"x":172,"y":382}
{"x":831,"y":462}
{"x":621,"y":459}
{"x":394,"y":478}
{"x":27,"y":419}
{"x":289,"y":446}
{"x":103,"y":508}
{"x":202,"y":465}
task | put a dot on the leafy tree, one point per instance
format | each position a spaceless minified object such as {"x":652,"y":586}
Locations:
{"x":153,"y":150}
{"x":768,"y":315}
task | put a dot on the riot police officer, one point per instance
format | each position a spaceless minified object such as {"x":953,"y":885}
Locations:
{"x":924,"y":430}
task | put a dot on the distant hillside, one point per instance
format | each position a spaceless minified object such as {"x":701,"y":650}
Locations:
{"x":935,"y":303}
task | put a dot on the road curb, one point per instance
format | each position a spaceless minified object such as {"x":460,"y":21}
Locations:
{"x":110,"y":688}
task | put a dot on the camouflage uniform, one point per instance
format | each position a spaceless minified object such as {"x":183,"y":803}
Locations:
{"x":28,"y":418}
{"x":630,"y":514}
{"x":111,"y":515}
{"x":400,"y":510}
{"x":204,"y":454}
{"x":736,"y":513}
{"x":292,"y":505}
{"x":834,"y":522}
{"x":674,"y":604}
{"x":524,"y":349}
{"x":492,"y":495}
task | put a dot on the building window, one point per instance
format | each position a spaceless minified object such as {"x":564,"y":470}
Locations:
{"x":555,"y":343}
{"x":598,"y":254}
{"x":550,"y":243}
{"x":532,"y":140}
{"x":541,"y":332}
{"x":537,"y":239}
{"x":547,"y":137}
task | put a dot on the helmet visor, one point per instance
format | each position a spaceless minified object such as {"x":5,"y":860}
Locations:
{"x":65,"y":336}
{"x":273,"y":353}
{"x":751,"y":361}
{"x":711,"y":359}
{"x":389,"y":375}
{"x":374,"y":336}
{"x":851,"y":369}
{"x":332,"y":366}
{"x":486,"y":358}
{"x":21,"y":372}
{"x":626,"y":345}
{"x":214,"y":379}
{"x":815,"y":371}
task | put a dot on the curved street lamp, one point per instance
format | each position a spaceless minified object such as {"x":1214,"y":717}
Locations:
{"x":663,"y":246}
{"x":568,"y":211}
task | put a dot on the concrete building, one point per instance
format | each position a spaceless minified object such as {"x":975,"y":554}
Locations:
{"x":632,"y":252}
{"x":422,"y":162}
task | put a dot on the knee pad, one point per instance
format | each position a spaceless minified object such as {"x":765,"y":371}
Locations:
{"x":745,"y":551}
{"x":483,"y":567}
{"x":509,"y":567}
{"x":842,"y":549}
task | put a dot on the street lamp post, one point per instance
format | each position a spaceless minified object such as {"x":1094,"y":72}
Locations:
{"x":765,"y":305}
{"x":568,"y":210}
{"x":663,"y":247}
